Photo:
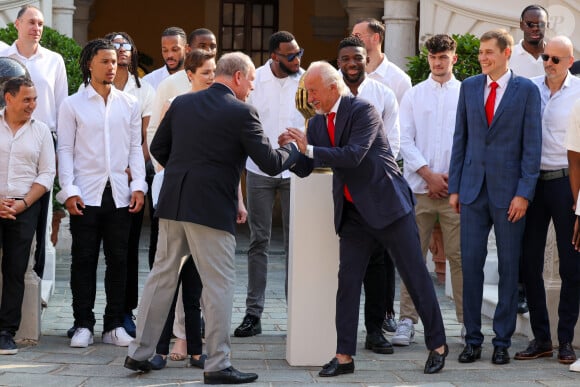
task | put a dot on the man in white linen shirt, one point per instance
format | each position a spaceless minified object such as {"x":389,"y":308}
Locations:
{"x":173,"y":43}
{"x":352,"y":60}
{"x":99,"y":137}
{"x":427,"y":117}
{"x":48,"y":73}
{"x":525,"y":60}
{"x":3,"y":45}
{"x":275,"y":87}
{"x":27,"y":169}
{"x":372,"y":33}
{"x":553,"y":201}
{"x":379,"y":68}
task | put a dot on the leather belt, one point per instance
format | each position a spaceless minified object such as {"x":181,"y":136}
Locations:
{"x":556,"y":174}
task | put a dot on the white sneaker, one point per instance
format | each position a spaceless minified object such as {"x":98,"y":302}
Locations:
{"x":575,"y":367}
{"x":82,"y":338}
{"x":405,"y":333}
{"x":118,"y":337}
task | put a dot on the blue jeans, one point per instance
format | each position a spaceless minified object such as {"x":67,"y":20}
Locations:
{"x":260,"y":193}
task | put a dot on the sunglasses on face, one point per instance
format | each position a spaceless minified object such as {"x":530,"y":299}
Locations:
{"x":555,"y":59}
{"x":124,"y":46}
{"x":291,"y":57}
{"x":534,"y":25}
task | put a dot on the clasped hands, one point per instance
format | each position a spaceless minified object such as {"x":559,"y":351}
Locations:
{"x":294,"y":135}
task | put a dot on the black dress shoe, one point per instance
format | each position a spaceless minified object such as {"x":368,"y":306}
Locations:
{"x":377,"y":343}
{"x":436,"y":361}
{"x":334,"y":368}
{"x":137,"y":365}
{"x":535,"y":350}
{"x":251,"y":326}
{"x":198,"y":363}
{"x":229,"y":375}
{"x":566,"y":354}
{"x":500,"y":355}
{"x":470,"y":353}
{"x":390,"y":324}
{"x":522,"y":300}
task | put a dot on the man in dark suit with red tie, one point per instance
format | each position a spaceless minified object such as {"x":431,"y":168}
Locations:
{"x":495,"y":162}
{"x":372,"y":204}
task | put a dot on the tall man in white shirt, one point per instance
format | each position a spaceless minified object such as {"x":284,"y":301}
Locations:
{"x":47,"y":71}
{"x":525,"y":60}
{"x":27,"y":169}
{"x":275,"y":86}
{"x":173,"y":42}
{"x":352,"y":60}
{"x":427,"y":117}
{"x":99,"y":137}
{"x":379,"y":68}
{"x":553,"y":201}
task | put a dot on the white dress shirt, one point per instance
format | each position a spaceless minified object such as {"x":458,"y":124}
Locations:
{"x":155,"y":77}
{"x":274,"y":100}
{"x":26,"y":157}
{"x":502,"y":83}
{"x":524,"y":64}
{"x":391,"y":75}
{"x":556,"y":112}
{"x":385,"y":101}
{"x":573,"y":137}
{"x":427,"y":117}
{"x":97,"y":142}
{"x":174,"y":85}
{"x":48,"y":73}
{"x":3,"y":45}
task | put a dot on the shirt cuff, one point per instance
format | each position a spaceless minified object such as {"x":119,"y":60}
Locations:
{"x":309,"y":151}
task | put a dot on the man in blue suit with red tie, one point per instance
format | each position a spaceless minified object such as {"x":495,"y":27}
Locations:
{"x":372,"y":205}
{"x":495,"y":162}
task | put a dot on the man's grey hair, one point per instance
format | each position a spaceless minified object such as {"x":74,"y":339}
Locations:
{"x":330,"y":76}
{"x":233,"y":62}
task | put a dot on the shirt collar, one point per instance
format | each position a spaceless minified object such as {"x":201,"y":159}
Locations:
{"x":433,"y":83}
{"x":502,"y":81}
{"x":13,"y":50}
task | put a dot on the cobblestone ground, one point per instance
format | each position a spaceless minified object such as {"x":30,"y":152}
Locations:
{"x":53,"y":363}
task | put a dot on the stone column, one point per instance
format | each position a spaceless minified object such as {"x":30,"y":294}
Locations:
{"x":62,"y":16}
{"x":362,"y":9}
{"x":400,"y":19}
{"x":82,"y":18}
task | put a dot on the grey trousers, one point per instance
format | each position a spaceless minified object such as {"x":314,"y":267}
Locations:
{"x":213,"y":252}
{"x":260,"y":193}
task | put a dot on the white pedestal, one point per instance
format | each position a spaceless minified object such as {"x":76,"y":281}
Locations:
{"x":312,"y":272}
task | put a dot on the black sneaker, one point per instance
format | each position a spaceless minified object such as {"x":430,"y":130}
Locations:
{"x":7,"y":344}
{"x":251,"y":326}
{"x":390,"y":324}
{"x":71,"y":332}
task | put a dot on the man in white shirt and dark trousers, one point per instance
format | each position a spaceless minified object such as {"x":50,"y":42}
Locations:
{"x":27,"y":169}
{"x":553,"y":201}
{"x":48,"y":72}
{"x":427,"y":117}
{"x":275,"y":87}
{"x":173,"y":43}
{"x":99,"y":137}
{"x":379,"y":68}
{"x":352,"y":60}
{"x":525,"y":60}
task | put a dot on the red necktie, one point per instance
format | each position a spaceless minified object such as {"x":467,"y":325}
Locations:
{"x":490,"y":103}
{"x":330,"y":126}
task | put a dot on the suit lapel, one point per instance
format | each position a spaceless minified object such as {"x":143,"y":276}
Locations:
{"x":340,"y":120}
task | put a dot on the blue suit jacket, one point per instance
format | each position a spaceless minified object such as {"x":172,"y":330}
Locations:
{"x":506,"y":155}
{"x":362,"y":160}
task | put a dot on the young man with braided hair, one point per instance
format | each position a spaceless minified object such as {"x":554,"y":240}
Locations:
{"x":99,"y":131}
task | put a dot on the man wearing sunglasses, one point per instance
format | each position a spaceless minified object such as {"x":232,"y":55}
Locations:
{"x":275,"y":86}
{"x":553,"y":201}
{"x":525,"y":60}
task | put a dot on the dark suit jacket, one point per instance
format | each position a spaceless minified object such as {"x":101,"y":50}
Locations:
{"x":506,"y":155}
{"x":362,"y":160}
{"x":203,"y":142}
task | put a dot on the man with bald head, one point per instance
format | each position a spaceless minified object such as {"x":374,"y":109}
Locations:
{"x":553,"y":201}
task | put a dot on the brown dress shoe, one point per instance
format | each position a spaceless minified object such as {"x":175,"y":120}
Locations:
{"x":535,"y":350}
{"x":566,"y":354}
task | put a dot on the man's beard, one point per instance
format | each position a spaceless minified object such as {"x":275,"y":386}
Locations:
{"x":179,"y":65}
{"x":286,"y":69}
